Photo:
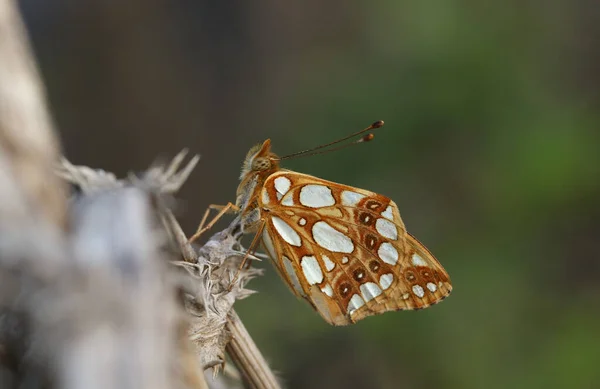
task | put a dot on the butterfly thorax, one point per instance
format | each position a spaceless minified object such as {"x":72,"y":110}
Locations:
{"x":259,"y":164}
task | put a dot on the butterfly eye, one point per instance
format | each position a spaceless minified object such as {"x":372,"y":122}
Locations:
{"x":261,"y":164}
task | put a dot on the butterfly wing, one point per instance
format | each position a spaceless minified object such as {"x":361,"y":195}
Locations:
{"x":345,"y":249}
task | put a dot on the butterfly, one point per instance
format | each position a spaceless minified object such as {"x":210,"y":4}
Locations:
{"x":343,"y":249}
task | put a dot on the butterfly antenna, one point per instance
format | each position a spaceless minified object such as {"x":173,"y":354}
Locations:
{"x":313,"y":151}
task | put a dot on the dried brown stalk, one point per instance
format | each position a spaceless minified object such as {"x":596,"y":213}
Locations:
{"x":28,"y":145}
{"x":247,"y":356}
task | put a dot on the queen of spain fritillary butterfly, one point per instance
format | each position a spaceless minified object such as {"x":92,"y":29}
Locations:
{"x":343,"y":249}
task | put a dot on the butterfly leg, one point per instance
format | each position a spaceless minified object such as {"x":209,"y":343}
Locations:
{"x":251,"y":249}
{"x":223,"y":209}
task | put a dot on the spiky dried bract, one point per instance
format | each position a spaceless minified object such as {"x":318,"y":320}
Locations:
{"x":88,"y":180}
{"x":162,"y":179}
{"x":213,"y":289}
{"x":168,"y":179}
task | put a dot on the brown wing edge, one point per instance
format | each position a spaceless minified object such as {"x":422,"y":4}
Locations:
{"x":446,"y":285}
{"x":332,"y":313}
{"x":414,"y":303}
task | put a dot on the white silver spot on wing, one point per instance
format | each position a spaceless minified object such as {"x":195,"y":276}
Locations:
{"x":327,"y":290}
{"x":417,"y":260}
{"x":344,"y":260}
{"x":302,"y":221}
{"x":418,"y":291}
{"x":369,"y":291}
{"x":316,"y":196}
{"x":388,"y":214}
{"x":388,"y":253}
{"x":265,"y":196}
{"x":355,"y":302}
{"x":291,"y":272}
{"x":286,"y":232}
{"x":331,"y":239}
{"x":282,"y":185}
{"x":386,"y":228}
{"x":386,"y":280}
{"x":329,"y":264}
{"x":312,"y":271}
{"x":350,"y":198}
{"x":268,"y":243}
{"x":288,"y":200}
{"x":431,"y":286}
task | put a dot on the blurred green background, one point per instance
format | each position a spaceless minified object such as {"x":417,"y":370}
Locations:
{"x":491,"y":149}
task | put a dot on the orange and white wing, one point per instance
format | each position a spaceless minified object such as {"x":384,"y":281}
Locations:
{"x":345,"y":249}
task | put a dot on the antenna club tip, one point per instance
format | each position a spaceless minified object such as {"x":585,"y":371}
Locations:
{"x":368,"y":137}
{"x":377,"y":124}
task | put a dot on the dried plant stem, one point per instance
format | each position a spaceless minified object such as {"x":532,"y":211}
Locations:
{"x":247,"y":356}
{"x":241,"y":348}
{"x":27,"y":137}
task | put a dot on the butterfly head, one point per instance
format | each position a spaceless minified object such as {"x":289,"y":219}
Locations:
{"x":258,"y":165}
{"x":260,"y":160}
